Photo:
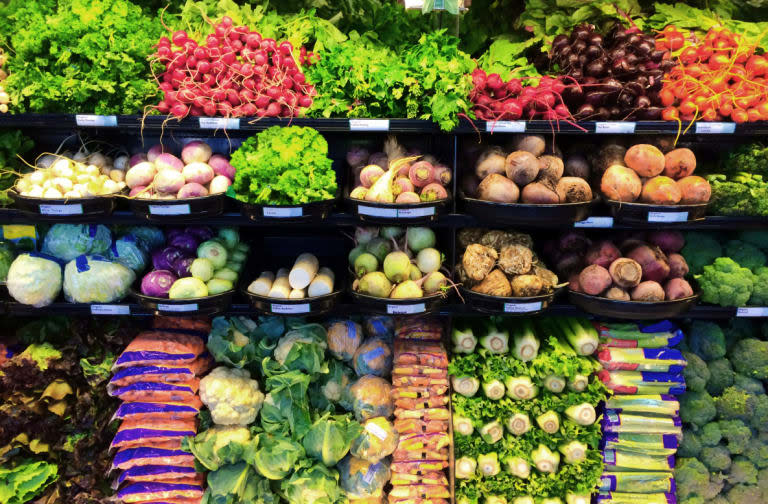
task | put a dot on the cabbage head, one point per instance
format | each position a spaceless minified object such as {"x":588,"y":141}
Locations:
{"x":316,"y":484}
{"x":220,"y":445}
{"x":275,"y":456}
{"x":330,"y":437}
{"x":303,"y":349}
{"x":95,"y":279}
{"x":127,"y":251}
{"x":149,"y":237}
{"x":34,"y":280}
{"x":67,"y":241}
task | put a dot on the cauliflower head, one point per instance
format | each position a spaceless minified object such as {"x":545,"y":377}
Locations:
{"x":231,"y":395}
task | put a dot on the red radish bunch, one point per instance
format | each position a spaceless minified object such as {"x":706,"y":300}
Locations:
{"x":235,"y":73}
{"x":496,"y":100}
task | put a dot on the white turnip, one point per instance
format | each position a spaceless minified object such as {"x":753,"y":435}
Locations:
{"x":154,"y":152}
{"x":198,"y":172}
{"x":221,"y":166}
{"x":196,"y":152}
{"x":168,"y":181}
{"x":192,"y":190}
{"x":168,"y":162}
{"x":136,"y":159}
{"x":219,"y":184}
{"x":140,"y":174}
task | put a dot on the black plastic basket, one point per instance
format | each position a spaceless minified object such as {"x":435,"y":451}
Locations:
{"x":306,"y":307}
{"x":527,"y":214}
{"x":62,"y":209}
{"x":397,"y":213}
{"x":511,"y":306}
{"x":387,"y":306}
{"x":203,"y":306}
{"x":178,"y":210}
{"x":307,"y":212}
{"x":653,"y":215}
{"x":632,"y":310}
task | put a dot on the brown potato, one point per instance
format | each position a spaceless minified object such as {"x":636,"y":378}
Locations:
{"x":679,"y":163}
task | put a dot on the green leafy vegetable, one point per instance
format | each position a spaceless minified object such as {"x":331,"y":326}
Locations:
{"x":22,"y":483}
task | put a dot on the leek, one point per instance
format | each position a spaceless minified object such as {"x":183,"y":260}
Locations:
{"x":554,"y":383}
{"x":518,"y":424}
{"x":526,"y":344}
{"x":492,"y":432}
{"x":495,"y":499}
{"x":578,"y":383}
{"x":465,"y":467}
{"x":573,"y":452}
{"x":495,"y":340}
{"x":464,"y":340}
{"x":582,"y":414}
{"x":521,"y":387}
{"x":489,"y":464}
{"x":518,"y":466}
{"x":493,"y":389}
{"x":549,"y":422}
{"x":571,"y":498}
{"x":465,"y":385}
{"x":463,"y":425}
{"x":527,"y":499}
{"x":545,"y":460}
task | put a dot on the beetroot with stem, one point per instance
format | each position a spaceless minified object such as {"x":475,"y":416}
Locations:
{"x":602,"y":253}
{"x":668,"y":241}
{"x":653,"y":261}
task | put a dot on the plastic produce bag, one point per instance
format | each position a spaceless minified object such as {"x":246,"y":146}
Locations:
{"x":628,"y":335}
{"x":95,"y":279}
{"x":627,"y":461}
{"x":662,"y":360}
{"x":360,"y":478}
{"x":150,"y":237}
{"x":642,"y":382}
{"x":378,"y":440}
{"x":650,"y":444}
{"x":636,"y":498}
{"x":34,"y":279}
{"x":374,"y":357}
{"x":380,"y":326}
{"x":659,"y":404}
{"x":127,"y":251}
{"x":371,"y":397}
{"x":637,"y":482}
{"x":344,"y":338}
{"x":67,"y":241}
{"x":624,"y":422}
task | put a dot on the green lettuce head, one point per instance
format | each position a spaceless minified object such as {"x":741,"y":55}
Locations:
{"x":330,"y":437}
{"x":316,"y":484}
{"x":275,"y":456}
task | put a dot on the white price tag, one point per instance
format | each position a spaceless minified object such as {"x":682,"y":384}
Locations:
{"x":609,"y":456}
{"x":667,"y":216}
{"x":505,"y":126}
{"x":283,"y":212}
{"x":110,"y":309}
{"x":376,"y":211}
{"x":369,"y":125}
{"x":169,"y":209}
{"x":177,"y":307}
{"x":411,"y":213}
{"x":95,"y":120}
{"x":522,"y":307}
{"x":752,"y":311}
{"x":287,"y":309}
{"x":406,"y":309}
{"x":61,"y":209}
{"x":595,"y":222}
{"x":615,"y":127}
{"x":376,"y":431}
{"x":715,"y":128}
{"x":216,"y":123}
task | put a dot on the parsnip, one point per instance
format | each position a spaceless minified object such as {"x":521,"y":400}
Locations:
{"x":303,"y":271}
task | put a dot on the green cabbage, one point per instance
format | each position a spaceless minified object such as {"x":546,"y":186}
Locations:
{"x":316,"y":484}
{"x":94,"y":279}
{"x":67,"y":241}
{"x":220,"y":445}
{"x":34,"y":280}
{"x":330,"y":437}
{"x":275,"y":456}
{"x":127,"y":251}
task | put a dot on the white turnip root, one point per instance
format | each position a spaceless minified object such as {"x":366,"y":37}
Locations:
{"x":196,"y":152}
{"x":198,"y":172}
{"x":219,"y":184}
{"x":535,"y":144}
{"x":594,"y":279}
{"x":141,"y":174}
{"x":491,"y":161}
{"x":573,"y":190}
{"x":648,"y":291}
{"x":192,"y":190}
{"x":602,"y":253}
{"x":617,"y":293}
{"x":521,"y":167}
{"x":168,"y":181}
{"x":220,"y":165}
{"x":167,"y":161}
{"x":626,"y":272}
{"x":498,"y":188}
{"x":370,"y":174}
{"x":653,"y":261}
{"x":677,"y":288}
{"x":421,"y":173}
{"x":668,"y":241}
{"x":577,"y":165}
{"x":678,"y":267}
{"x":408,"y":197}
{"x":539,"y":193}
{"x":551,"y":168}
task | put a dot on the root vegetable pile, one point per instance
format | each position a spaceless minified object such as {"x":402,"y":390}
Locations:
{"x":306,"y":279}
{"x":496,"y":100}
{"x":234,"y":73}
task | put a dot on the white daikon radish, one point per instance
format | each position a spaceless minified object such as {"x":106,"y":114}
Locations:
{"x":322,"y":283}
{"x":304,"y":271}
{"x":280,"y":287}
{"x":298,"y":294}
{"x":263,"y":284}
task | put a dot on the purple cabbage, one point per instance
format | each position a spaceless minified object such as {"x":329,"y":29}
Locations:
{"x":170,"y":233}
{"x":181,"y":266}
{"x":184,"y":241}
{"x":202,"y":233}
{"x":157,"y":283}
{"x":163,"y":259}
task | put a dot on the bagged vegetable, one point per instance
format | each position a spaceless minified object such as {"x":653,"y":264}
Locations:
{"x":659,"y":404}
{"x":372,"y":397}
{"x":95,"y":279}
{"x":377,"y":440}
{"x":161,"y":347}
{"x":418,"y":466}
{"x":150,"y":412}
{"x":130,"y":435}
{"x":360,"y":478}
{"x":146,"y":456}
{"x":34,"y":279}
{"x":420,"y":491}
{"x":157,"y":392}
{"x":625,"y":422}
{"x":424,"y":353}
{"x":67,"y":241}
{"x":158,"y":473}
{"x":637,"y":482}
{"x":158,"y":492}
{"x":128,"y":252}
{"x":629,"y":335}
{"x":650,"y":444}
{"x":380,"y":326}
{"x":428,"y":478}
{"x":429,"y":329}
{"x":374,"y":357}
{"x":160,"y":374}
{"x":149,"y":237}
{"x":627,"y":461}
{"x":344,"y":338}
{"x":642,"y":382}
{"x":415,"y":425}
{"x":663,"y":360}
{"x":636,"y":498}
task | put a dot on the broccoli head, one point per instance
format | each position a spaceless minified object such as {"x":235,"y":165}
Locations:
{"x":754,"y":237}
{"x":710,"y":434}
{"x":696,"y":373}
{"x":758,"y":408}
{"x":716,"y":458}
{"x":692,"y":479}
{"x":706,"y":339}
{"x":720,"y":499}
{"x":757,"y":453}
{"x":744,"y":494}
{"x":725,"y":283}
{"x":737,"y":435}
{"x":697,"y":408}
{"x":693,"y":500}
{"x":746,"y":254}
{"x":759,"y":295}
{"x":732,"y":404}
{"x":762,"y":482}
{"x":720,"y":376}
{"x":748,"y":385}
{"x":700,"y":250}
{"x":750,"y":358}
{"x":742,"y":471}
{"x":690,"y":445}
{"x":737,"y":330}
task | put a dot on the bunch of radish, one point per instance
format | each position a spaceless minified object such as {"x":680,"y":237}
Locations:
{"x":233,"y":73}
{"x":496,"y":100}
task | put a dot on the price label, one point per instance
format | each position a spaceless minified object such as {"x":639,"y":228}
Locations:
{"x":369,"y":125}
{"x":376,"y":211}
{"x":169,"y":209}
{"x":177,"y":307}
{"x":595,"y":222}
{"x":752,"y":311}
{"x":505,"y":126}
{"x":288,"y":309}
{"x":282,"y":213}
{"x":522,"y":307}
{"x":411,"y":213}
{"x":110,"y":309}
{"x":376,"y":431}
{"x":615,"y":127}
{"x":76,"y":209}
{"x":406,"y":309}
{"x":216,"y":123}
{"x":609,"y":456}
{"x":667,"y":216}
{"x":93,"y":121}
{"x":715,"y":128}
